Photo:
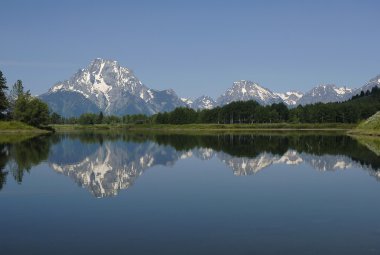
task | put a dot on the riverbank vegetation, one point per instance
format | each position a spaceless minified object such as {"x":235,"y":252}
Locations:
{"x":370,"y":126}
{"x":6,"y":126}
{"x":20,"y":111}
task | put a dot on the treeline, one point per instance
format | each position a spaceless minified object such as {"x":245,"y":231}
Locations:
{"x":100,"y":118}
{"x":18,"y":104}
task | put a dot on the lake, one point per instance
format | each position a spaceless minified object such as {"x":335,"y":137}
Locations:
{"x":162,"y":193}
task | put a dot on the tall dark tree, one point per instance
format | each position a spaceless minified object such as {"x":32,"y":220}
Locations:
{"x":3,"y":97}
{"x":28,"y":109}
{"x":16,"y":92}
{"x":100,"y":118}
{"x":55,"y":118}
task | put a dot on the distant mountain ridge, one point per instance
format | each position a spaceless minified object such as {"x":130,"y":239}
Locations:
{"x":106,"y":86}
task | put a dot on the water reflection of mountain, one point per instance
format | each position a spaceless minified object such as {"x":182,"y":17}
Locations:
{"x":249,"y":166}
{"x":111,"y":165}
{"x":105,"y":163}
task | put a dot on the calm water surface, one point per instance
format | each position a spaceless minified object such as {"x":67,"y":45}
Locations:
{"x":95,"y":193}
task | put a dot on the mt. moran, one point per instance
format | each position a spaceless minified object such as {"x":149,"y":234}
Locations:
{"x":106,"y":86}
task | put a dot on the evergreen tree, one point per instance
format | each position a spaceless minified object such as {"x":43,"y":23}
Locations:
{"x":100,"y":118}
{"x":3,"y":98}
{"x":16,"y":92}
{"x":28,"y":109}
{"x":55,"y":118}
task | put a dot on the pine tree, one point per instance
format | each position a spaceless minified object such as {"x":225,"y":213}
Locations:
{"x":3,"y":97}
{"x":16,"y":92}
{"x":100,"y":118}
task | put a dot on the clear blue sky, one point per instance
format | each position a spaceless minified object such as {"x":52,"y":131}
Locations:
{"x":194,"y":47}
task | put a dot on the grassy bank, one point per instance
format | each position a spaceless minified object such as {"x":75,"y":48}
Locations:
{"x":206,"y":127}
{"x":18,"y":127}
{"x":369,"y":127}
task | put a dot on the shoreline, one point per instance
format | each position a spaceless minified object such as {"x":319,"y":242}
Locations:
{"x":13,"y":128}
{"x":17,"y":127}
{"x":205,"y":127}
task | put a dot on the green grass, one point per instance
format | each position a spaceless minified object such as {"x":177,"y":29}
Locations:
{"x":369,"y":127}
{"x":16,"y":137}
{"x":372,"y":123}
{"x":77,"y":127}
{"x":16,"y":126}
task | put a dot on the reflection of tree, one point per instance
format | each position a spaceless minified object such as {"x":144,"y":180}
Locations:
{"x":19,"y":157}
{"x":26,"y":154}
{"x":3,"y":162}
{"x":252,"y":145}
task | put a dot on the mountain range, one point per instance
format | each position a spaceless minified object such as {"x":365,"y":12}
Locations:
{"x":106,"y":86}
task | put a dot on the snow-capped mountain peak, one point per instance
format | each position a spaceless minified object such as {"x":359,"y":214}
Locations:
{"x":290,"y":97}
{"x":247,"y":90}
{"x":374,"y":82}
{"x":203,"y":102}
{"x":99,"y":79}
{"x":113,"y":89}
{"x":326,"y":93}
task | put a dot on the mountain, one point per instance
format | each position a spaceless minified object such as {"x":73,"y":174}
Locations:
{"x":248,"y":90}
{"x":69,"y":103}
{"x":187,"y":101}
{"x":374,"y":82}
{"x":112,"y":89}
{"x":203,"y":102}
{"x":326,"y":94}
{"x":291,"y":97}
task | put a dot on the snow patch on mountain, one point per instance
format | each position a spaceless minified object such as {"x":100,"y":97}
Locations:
{"x":187,"y":101}
{"x":291,"y":97}
{"x":326,"y":93}
{"x":203,"y":102}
